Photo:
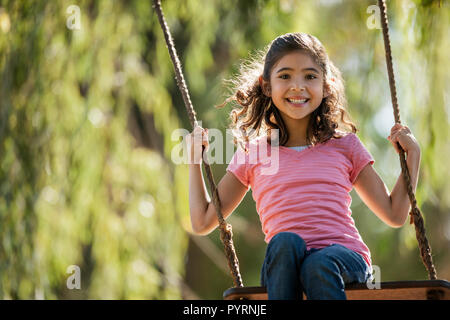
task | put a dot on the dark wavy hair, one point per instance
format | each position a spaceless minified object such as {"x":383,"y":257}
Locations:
{"x":256,"y":113}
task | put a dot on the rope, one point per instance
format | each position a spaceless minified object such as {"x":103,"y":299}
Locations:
{"x":226,"y":233}
{"x":416,"y":215}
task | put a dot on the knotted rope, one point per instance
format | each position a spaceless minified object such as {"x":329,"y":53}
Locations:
{"x":226,"y":233}
{"x":416,"y":215}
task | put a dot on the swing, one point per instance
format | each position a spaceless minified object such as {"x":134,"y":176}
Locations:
{"x":399,"y":290}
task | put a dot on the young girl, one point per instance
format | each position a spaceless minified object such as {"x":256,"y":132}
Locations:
{"x":304,"y":208}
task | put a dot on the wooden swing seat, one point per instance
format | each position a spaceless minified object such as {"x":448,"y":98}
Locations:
{"x":396,"y":290}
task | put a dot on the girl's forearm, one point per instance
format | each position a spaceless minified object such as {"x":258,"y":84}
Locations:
{"x":198,"y":196}
{"x":401,"y":204}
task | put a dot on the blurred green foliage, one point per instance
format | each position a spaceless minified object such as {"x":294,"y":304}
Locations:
{"x":86,"y":123}
{"x":76,"y":188}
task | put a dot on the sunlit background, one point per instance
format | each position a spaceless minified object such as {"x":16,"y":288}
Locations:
{"x":88,"y":105}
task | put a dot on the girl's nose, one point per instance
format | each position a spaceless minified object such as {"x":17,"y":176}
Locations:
{"x":297,"y":85}
{"x":297,"y":88}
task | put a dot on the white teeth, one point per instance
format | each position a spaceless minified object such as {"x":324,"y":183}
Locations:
{"x":297,"y":101}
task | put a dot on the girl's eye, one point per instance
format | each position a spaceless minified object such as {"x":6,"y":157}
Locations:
{"x":309,"y":76}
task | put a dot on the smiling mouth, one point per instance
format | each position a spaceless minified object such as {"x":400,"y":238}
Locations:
{"x":297,"y":101}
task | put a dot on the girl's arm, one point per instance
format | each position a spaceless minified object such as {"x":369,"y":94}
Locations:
{"x":202,"y":210}
{"x":391,"y":208}
{"x":401,"y":204}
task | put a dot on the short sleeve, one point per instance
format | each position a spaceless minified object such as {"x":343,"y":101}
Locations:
{"x":360,"y":157}
{"x":239,"y":167}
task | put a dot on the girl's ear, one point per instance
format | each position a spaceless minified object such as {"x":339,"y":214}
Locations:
{"x":265,"y":86}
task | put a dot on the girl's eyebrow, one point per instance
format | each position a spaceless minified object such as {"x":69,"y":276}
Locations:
{"x":290,"y":69}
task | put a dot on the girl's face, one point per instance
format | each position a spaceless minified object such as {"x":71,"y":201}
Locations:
{"x":297,"y":89}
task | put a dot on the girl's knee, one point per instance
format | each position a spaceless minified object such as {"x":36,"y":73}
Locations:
{"x":284,"y":255}
{"x":287,"y":241}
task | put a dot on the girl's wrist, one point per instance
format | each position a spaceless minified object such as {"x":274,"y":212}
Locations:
{"x":414,"y":153}
{"x":413,"y":161}
{"x":196,"y":158}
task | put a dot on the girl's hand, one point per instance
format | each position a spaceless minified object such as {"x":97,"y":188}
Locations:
{"x":195,"y":142}
{"x":405,"y":138}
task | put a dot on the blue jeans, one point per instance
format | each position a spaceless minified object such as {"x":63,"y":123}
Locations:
{"x":289,"y":269}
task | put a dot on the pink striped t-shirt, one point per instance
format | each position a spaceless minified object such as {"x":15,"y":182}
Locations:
{"x":305,"y":192}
